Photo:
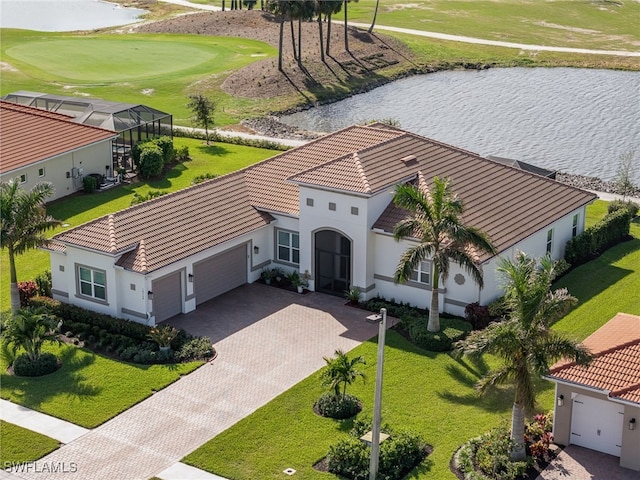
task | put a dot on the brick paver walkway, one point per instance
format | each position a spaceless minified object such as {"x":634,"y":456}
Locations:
{"x":259,"y":356}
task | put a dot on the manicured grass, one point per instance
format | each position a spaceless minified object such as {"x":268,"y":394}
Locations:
{"x":88,"y":389}
{"x":217,"y":158}
{"x":425,"y":392}
{"x":157,"y":70}
{"x":21,"y":445}
{"x":595,"y":24}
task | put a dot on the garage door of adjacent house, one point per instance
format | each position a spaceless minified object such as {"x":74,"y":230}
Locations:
{"x":167,"y":296}
{"x":220,"y":273}
{"x":597,"y":424}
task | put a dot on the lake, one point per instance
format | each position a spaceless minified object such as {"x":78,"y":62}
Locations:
{"x":575,"y":120}
{"x":64,"y":15}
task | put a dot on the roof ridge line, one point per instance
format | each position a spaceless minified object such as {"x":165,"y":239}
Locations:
{"x":596,"y":355}
{"x":622,"y":391}
{"x":113,"y":246}
{"x":143,"y":257}
{"x":360,"y":170}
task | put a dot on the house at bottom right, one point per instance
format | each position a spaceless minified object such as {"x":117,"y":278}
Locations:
{"x":598,"y":407}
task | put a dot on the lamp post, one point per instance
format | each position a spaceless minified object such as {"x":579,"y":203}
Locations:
{"x":377,"y":401}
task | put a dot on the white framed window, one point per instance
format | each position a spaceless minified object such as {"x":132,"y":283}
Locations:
{"x":549,"y":240}
{"x":23,"y":178}
{"x":574,"y":226}
{"x":92,"y":283}
{"x":422,"y":274}
{"x":288,"y":246}
{"x":41,"y":172}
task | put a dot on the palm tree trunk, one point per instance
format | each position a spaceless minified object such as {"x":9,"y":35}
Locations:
{"x":293,"y":40}
{"x":321,"y":40}
{"x":518,"y":454}
{"x":434,"y":310}
{"x":375,"y":14}
{"x":280,"y":44}
{"x":300,"y":42}
{"x":346,"y":33}
{"x":328,"y":35}
{"x":15,"y":293}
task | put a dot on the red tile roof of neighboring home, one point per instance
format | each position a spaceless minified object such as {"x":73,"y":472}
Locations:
{"x":30,"y":135}
{"x":508,"y":203}
{"x":616,"y":366}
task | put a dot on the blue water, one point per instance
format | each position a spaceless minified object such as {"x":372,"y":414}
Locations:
{"x":64,"y":15}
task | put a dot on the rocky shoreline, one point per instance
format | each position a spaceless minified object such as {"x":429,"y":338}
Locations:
{"x":593,"y":183}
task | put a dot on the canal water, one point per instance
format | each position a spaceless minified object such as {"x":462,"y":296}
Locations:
{"x":578,"y":121}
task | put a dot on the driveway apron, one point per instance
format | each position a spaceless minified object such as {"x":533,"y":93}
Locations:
{"x":267,"y":340}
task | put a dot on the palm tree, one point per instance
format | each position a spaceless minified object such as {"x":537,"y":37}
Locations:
{"x":332,"y":6}
{"x":28,"y":329}
{"x":435,"y":222}
{"x":525,"y":342}
{"x":23,"y":223}
{"x":279,"y":8}
{"x":341,"y":371}
{"x":375,"y":14}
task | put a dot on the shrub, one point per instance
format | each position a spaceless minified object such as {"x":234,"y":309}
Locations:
{"x":498,"y":308}
{"x":27,"y":291}
{"x":43,"y":281}
{"x":151,"y":160}
{"x":182,"y":153}
{"x":612,"y":229}
{"x":163,"y":336}
{"x":349,"y":458}
{"x":89,"y":184}
{"x":538,"y":436}
{"x":199,"y":348}
{"x":137,"y":198}
{"x":451,"y":330}
{"x":353,"y":295}
{"x":166,"y":146}
{"x":45,"y":364}
{"x":201,"y":178}
{"x":477,"y":315}
{"x":394,"y":309}
{"x":338,"y":406}
{"x":620,"y":204}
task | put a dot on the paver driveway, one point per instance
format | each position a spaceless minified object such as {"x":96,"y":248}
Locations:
{"x":267,"y":340}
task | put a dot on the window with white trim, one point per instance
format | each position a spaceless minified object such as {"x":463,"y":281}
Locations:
{"x":41,"y":172}
{"x":549,"y":240}
{"x":288,"y":246}
{"x":92,"y":283}
{"x":23,"y":178}
{"x":422,"y":274}
{"x":574,"y":226}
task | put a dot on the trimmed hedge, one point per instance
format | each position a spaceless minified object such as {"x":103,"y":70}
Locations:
{"x":338,"y":407}
{"x":609,"y":231}
{"x":451,"y":330}
{"x":23,"y":366}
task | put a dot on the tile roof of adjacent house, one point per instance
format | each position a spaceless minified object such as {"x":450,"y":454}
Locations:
{"x":616,"y":366}
{"x":30,"y":135}
{"x":507,"y":203}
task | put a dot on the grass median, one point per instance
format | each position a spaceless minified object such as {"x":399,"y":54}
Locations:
{"x":20,"y":445}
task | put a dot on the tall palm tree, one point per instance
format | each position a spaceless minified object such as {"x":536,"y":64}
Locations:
{"x":28,"y":329}
{"x":525,"y":342}
{"x":279,"y":8}
{"x":332,"y":6}
{"x":435,"y":221}
{"x":375,"y":14}
{"x":23,"y":223}
{"x":341,"y":371}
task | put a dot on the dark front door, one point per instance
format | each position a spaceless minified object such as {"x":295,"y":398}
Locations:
{"x":333,"y":262}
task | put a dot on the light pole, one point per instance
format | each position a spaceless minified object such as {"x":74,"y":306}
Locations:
{"x":377,"y":401}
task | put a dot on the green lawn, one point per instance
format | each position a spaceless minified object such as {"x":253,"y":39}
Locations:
{"x":88,"y":389}
{"x":422,"y":390}
{"x":218,"y":158}
{"x":166,"y":68}
{"x":19,"y":445}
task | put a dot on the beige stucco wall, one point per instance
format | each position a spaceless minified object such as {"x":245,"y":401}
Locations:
{"x":630,"y":452}
{"x":92,"y":159}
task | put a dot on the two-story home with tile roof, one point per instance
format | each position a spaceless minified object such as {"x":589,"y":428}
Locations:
{"x":326,"y":208}
{"x":41,"y":146}
{"x":598,"y":406}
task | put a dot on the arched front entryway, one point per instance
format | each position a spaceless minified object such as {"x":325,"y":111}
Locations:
{"x":333,"y":262}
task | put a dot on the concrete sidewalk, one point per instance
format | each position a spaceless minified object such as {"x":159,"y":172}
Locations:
{"x":52,"y":427}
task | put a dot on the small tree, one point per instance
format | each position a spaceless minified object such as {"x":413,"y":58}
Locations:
{"x":202,"y":109}
{"x":341,"y":371}
{"x":151,"y":160}
{"x":624,"y":174}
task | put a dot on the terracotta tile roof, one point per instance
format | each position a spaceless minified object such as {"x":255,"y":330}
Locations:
{"x":159,"y":232}
{"x":29,"y":135}
{"x":616,"y":367}
{"x":365,"y":159}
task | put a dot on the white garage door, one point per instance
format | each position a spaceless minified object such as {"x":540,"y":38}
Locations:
{"x":167,"y":297}
{"x":220,"y":273}
{"x":597,"y":424}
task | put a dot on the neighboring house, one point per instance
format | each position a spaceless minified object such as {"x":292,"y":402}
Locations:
{"x":599,"y":407}
{"x":527,"y":167}
{"x":326,"y":208}
{"x":133,"y":122}
{"x":38,"y":146}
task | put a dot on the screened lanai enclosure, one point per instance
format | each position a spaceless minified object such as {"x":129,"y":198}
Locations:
{"x":133,"y":122}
